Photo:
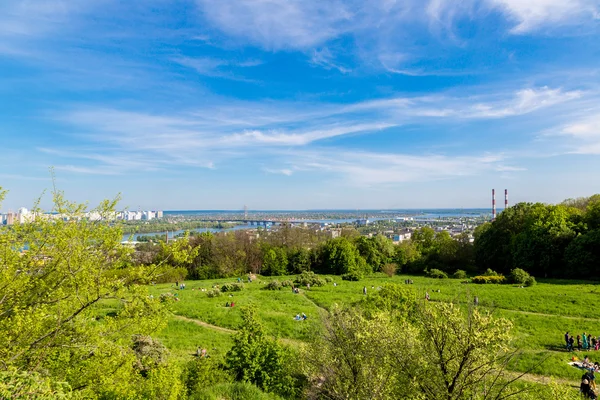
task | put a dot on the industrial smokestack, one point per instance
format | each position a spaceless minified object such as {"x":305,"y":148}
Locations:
{"x":493,"y":204}
{"x":505,"y":199}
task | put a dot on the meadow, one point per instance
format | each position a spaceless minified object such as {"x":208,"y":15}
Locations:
{"x":541,"y":315}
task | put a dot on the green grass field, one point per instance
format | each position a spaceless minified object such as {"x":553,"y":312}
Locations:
{"x":541,"y":314}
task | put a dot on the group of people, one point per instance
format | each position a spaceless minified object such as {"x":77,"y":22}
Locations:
{"x":228,"y":304}
{"x":584,"y":342}
{"x":181,"y":285}
{"x":298,"y":317}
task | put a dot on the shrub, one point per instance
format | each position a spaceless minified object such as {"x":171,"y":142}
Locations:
{"x":459,"y":274}
{"x":351,"y":276}
{"x":309,"y":278}
{"x":436,"y":273}
{"x":519,"y":276}
{"x":232,"y":287}
{"x":287,"y":283}
{"x":489,"y":279}
{"x":328,"y":279}
{"x":273,"y":285}
{"x":490,"y":272}
{"x":167,"y":297}
{"x":389,"y":269}
{"x":213,"y":293}
{"x":530,"y":281}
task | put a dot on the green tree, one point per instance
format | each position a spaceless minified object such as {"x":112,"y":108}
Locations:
{"x":377,"y":251}
{"x":258,"y":359}
{"x":340,"y":256}
{"x":583,"y":255}
{"x":275,"y":262}
{"x":55,"y":272}
{"x":407,"y":256}
{"x":300,"y":260}
{"x":423,"y":239}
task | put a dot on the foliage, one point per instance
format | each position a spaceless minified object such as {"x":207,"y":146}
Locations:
{"x":309,"y":278}
{"x":232,"y":287}
{"x":533,"y":237}
{"x":351,"y":359}
{"x":51,"y":294}
{"x":287,"y":283}
{"x":27,"y":385}
{"x":275,"y":262}
{"x":258,"y":359}
{"x":351,"y":276}
{"x":436,"y":273}
{"x":530,"y":281}
{"x":389,"y":269}
{"x":273,"y":285}
{"x":149,"y":353}
{"x":488,"y":279}
{"x":518,"y":276}
{"x":407,"y":256}
{"x":490,"y":272}
{"x":340,"y":256}
{"x":213,"y":293}
{"x":459,"y":274}
{"x":454,"y":355}
{"x":232,"y":391}
{"x":445,"y":353}
{"x":202,"y":372}
{"x":377,"y":251}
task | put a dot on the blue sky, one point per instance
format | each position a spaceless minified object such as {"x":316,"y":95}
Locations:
{"x":287,"y":104}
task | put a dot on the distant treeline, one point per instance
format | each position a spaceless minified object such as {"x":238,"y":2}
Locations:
{"x":294,"y":250}
{"x":553,"y":241}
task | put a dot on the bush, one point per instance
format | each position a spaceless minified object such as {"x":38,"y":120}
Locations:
{"x":459,"y":274}
{"x":436,"y":273}
{"x":519,"y":276}
{"x":351,"y":276}
{"x":167,"y":297}
{"x":489,"y":279}
{"x":309,"y":278}
{"x":530,"y":281}
{"x":169,"y":274}
{"x":389,"y":269}
{"x":232,"y":287}
{"x":213,"y":293}
{"x":328,"y":279}
{"x":273,"y":285}
{"x":490,"y":272}
{"x":287,"y":283}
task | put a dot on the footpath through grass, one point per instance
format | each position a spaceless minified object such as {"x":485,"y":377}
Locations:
{"x":541,"y":314}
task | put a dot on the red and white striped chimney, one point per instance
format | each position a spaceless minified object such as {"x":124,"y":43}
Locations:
{"x":493,"y":204}
{"x":505,"y":199}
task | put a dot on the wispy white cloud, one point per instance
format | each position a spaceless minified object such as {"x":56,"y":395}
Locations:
{"x":215,"y":67}
{"x":283,"y":171}
{"x":325,"y":59}
{"x":533,"y":14}
{"x":375,"y":169}
{"x":582,"y":136}
{"x":277,"y":24}
{"x":205,"y":137}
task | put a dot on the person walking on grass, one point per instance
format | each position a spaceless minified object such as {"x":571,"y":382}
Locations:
{"x":567,"y":339}
{"x":571,"y":343}
{"x":365,"y":290}
{"x":578,"y":342}
{"x":585,"y":341}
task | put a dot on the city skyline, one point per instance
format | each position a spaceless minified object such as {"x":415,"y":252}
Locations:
{"x":295,"y":105}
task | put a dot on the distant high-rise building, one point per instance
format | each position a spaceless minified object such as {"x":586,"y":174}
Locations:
{"x":10,"y":218}
{"x":159,"y":214}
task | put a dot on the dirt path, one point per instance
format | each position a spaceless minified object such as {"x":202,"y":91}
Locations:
{"x":543,"y":379}
{"x":205,"y":324}
{"x":287,"y":341}
{"x":548,"y":315}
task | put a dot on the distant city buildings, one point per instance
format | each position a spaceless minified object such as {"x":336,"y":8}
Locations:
{"x":23,"y":215}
